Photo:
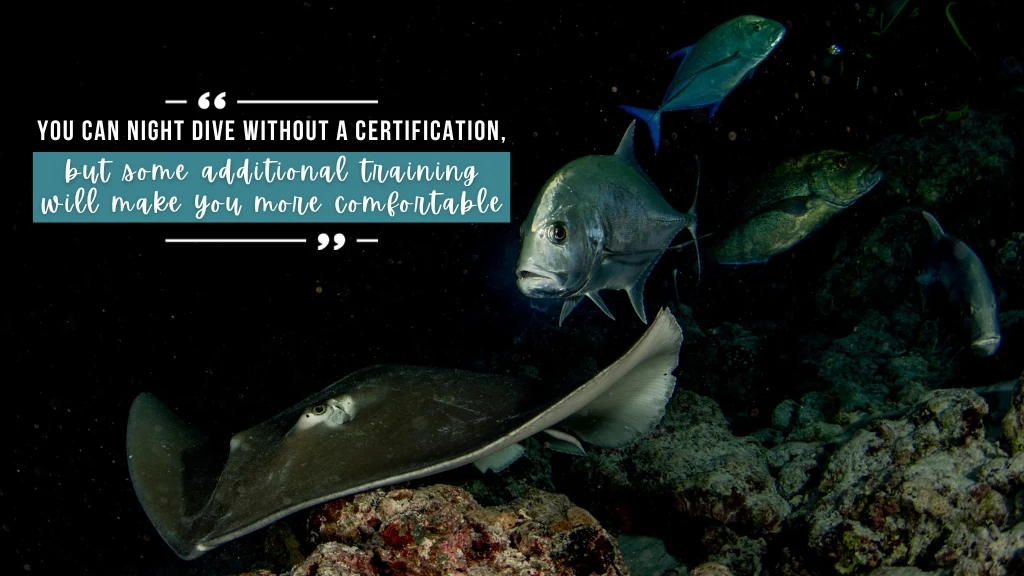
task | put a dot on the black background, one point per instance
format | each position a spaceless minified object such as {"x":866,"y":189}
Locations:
{"x":230,"y":334}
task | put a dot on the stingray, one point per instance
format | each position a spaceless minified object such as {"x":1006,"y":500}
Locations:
{"x":380,"y":426}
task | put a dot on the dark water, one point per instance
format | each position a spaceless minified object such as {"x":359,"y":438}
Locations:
{"x":231,"y":334}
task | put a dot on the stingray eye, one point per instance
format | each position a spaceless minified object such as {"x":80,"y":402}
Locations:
{"x":843,"y":162}
{"x":557,"y":232}
{"x":757,"y":27}
{"x":319,"y":410}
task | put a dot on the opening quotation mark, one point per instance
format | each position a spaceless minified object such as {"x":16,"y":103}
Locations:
{"x":324,"y":239}
{"x":218,"y":102}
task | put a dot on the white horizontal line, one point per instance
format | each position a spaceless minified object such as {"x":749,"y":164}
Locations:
{"x":363,"y":240}
{"x":175,"y":101}
{"x":235,"y":240}
{"x":308,"y":101}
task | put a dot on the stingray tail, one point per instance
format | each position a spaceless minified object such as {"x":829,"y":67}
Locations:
{"x":166,"y":470}
{"x":650,"y":117}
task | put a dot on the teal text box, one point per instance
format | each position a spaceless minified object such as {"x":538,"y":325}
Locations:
{"x":119,"y":187}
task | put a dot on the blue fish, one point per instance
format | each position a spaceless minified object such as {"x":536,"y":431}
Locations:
{"x":713,"y":67}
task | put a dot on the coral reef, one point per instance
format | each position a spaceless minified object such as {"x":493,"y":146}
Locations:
{"x":441,"y":530}
{"x":927,"y":488}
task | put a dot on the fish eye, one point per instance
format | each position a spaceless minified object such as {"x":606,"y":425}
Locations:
{"x":843,"y":162}
{"x":319,"y":410}
{"x":757,"y":27}
{"x":557,"y":232}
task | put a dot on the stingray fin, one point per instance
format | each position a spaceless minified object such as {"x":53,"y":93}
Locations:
{"x":171,"y":478}
{"x":636,"y":291}
{"x":567,"y":307}
{"x":501,"y":459}
{"x":643,"y":383}
{"x":596,"y":298}
{"x":564,"y":442}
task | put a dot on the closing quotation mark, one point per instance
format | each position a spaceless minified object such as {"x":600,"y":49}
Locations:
{"x":218,"y":102}
{"x":324,"y":239}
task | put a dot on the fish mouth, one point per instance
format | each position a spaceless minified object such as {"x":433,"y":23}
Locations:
{"x":872,"y":176}
{"x":540,"y":283}
{"x":986,"y":346}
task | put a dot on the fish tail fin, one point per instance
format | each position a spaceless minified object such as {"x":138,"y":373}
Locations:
{"x":163,"y":454}
{"x":650,"y":117}
{"x":692,"y":212}
{"x":637,"y":387}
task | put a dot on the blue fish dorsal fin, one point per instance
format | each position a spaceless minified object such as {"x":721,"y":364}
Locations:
{"x":933,"y":224}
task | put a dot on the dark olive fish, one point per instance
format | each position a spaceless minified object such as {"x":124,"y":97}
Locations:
{"x":792,"y":201}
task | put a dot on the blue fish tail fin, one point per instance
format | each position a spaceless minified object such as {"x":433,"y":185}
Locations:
{"x":714,"y":109}
{"x":693,"y":213}
{"x":650,"y":117}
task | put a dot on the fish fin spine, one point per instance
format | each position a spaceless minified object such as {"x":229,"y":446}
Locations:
{"x":567,"y":307}
{"x":692,"y":212}
{"x":650,"y":117}
{"x":933,"y":225}
{"x":595,"y":297}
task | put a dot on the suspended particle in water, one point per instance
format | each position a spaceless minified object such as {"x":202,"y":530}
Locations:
{"x":615,"y":89}
{"x":732,"y":135}
{"x":319,"y":289}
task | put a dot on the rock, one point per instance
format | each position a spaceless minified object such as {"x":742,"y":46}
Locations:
{"x":1013,"y":422}
{"x":691,"y":471}
{"x":901,"y":571}
{"x":646,"y":555}
{"x":927,"y":489}
{"x":440,"y":530}
{"x":711,"y":569}
{"x":782,"y":416}
{"x":1010,"y":260}
{"x":793,"y":465}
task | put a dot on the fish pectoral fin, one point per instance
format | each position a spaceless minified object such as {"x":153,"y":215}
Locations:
{"x":567,"y":307}
{"x":642,"y":383}
{"x":563,"y":442}
{"x":636,"y":291}
{"x":926,"y":278}
{"x":500,"y":460}
{"x":596,"y":298}
{"x":681,"y":53}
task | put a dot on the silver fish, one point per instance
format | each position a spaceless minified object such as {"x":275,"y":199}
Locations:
{"x":713,"y":67}
{"x":952,"y":263}
{"x":377,"y":427}
{"x":599,"y":223}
